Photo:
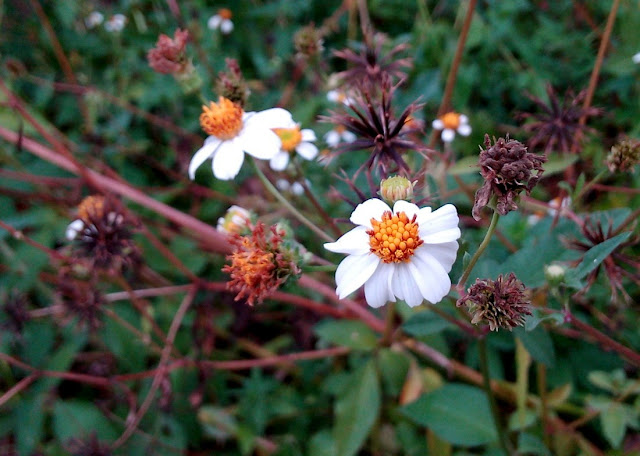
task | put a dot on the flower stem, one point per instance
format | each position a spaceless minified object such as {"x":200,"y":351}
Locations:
{"x":486,"y":383}
{"x":274,"y":191}
{"x":387,"y":336}
{"x":481,"y":249}
{"x":320,"y":268}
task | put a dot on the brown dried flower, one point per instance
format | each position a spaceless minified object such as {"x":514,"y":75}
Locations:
{"x":624,"y":156}
{"x":260,"y":264}
{"x":308,"y":41}
{"x":558,"y":125}
{"x":370,"y":67}
{"x":501,"y":303}
{"x":231,"y":84}
{"x":80,"y":299}
{"x":507,"y":169}
{"x":378,"y":129}
{"x":102,"y":233}
{"x":168,"y":57}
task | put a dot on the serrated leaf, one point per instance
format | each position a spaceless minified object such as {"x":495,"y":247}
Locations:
{"x":348,"y":333}
{"x":357,"y":411}
{"x":457,"y":413}
{"x":613,"y":420}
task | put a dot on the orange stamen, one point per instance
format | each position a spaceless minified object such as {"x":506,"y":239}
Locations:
{"x":395,"y":238}
{"x":222,"y":120}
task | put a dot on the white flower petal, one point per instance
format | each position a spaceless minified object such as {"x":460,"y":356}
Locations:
{"x":280,"y":161}
{"x":445,"y":253}
{"x":209,"y":148}
{"x":405,"y":206}
{"x":377,"y":290}
{"x":332,"y":138}
{"x":214,"y":22}
{"x":271,"y":118}
{"x":431,"y":278}
{"x":333,"y":95}
{"x":354,"y":242}
{"x":463,"y":119}
{"x":405,"y":286}
{"x":364,"y":212}
{"x":636,"y":58}
{"x":308,"y":134}
{"x":440,"y":226}
{"x":297,"y":188}
{"x":307,"y":150}
{"x":226,"y":26}
{"x":464,"y":130}
{"x":353,"y":272}
{"x":259,"y":142}
{"x":423,"y":215}
{"x":228,"y":160}
{"x":74,"y":229}
{"x":437,"y":124}
{"x":448,"y":134}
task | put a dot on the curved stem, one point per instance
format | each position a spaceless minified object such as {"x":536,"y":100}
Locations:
{"x":481,"y":249}
{"x":274,"y":191}
{"x":486,"y":383}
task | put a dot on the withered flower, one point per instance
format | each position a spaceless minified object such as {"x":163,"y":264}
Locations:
{"x":501,"y":303}
{"x":595,"y":234}
{"x":169,"y":57}
{"x":80,"y":299}
{"x":557,"y":126}
{"x":377,"y":129}
{"x":14,"y":313}
{"x":260,"y":264}
{"x":507,"y":169}
{"x":624,"y":156}
{"x":102,"y":233}
{"x":308,"y":41}
{"x":231,"y":84}
{"x":370,"y":67}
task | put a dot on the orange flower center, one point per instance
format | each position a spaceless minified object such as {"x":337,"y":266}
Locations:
{"x":395,"y":238}
{"x":290,"y":137}
{"x":92,"y":207}
{"x":451,"y":120}
{"x":225,"y":13}
{"x":222,"y":120}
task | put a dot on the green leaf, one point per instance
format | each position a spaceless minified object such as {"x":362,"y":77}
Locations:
{"x":538,"y":317}
{"x":357,"y":411}
{"x":531,"y":444}
{"x":457,"y":413}
{"x":539,"y":344}
{"x":594,"y":257}
{"x":613,"y":420}
{"x":348,"y":333}
{"x":466,"y":165}
{"x":322,"y":444}
{"x":393,"y":369}
{"x":558,"y":163}
{"x":78,"y":419}
{"x":425,"y":323}
{"x":28,"y":421}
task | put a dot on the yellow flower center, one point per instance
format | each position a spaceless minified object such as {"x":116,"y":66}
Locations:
{"x":395,"y":238}
{"x":451,"y":120}
{"x":222,"y":120}
{"x":225,"y":13}
{"x":290,"y":137}
{"x":92,"y":207}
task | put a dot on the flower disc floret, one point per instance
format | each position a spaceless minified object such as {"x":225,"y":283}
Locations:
{"x":222,"y":120}
{"x":395,"y":238}
{"x":290,"y":137}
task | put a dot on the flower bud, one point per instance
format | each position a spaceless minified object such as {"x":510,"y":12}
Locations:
{"x":554,"y":273}
{"x":396,"y":188}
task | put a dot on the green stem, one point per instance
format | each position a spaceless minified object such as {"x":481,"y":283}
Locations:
{"x":486,"y":383}
{"x":320,"y":268}
{"x":387,"y":336}
{"x":274,"y":191}
{"x":590,"y":184}
{"x":481,"y":249}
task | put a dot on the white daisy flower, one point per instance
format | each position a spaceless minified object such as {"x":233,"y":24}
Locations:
{"x":450,"y":123}
{"x":296,"y":188}
{"x":74,"y":229}
{"x":94,"y":19}
{"x":115,"y":23}
{"x":233,"y":132}
{"x":293,"y":139}
{"x":234,"y":220}
{"x":406,"y":253}
{"x":339,"y":134}
{"x":636,"y":58}
{"x":338,"y":96}
{"x":221,"y":21}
